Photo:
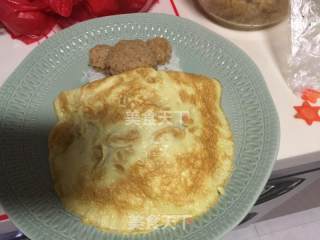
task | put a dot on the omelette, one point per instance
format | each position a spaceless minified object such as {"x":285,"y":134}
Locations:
{"x":141,"y":150}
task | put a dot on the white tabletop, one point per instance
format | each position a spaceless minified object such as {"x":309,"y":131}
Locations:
{"x":299,"y":142}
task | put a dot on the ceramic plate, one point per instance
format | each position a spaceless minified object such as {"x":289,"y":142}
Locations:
{"x":61,"y":62}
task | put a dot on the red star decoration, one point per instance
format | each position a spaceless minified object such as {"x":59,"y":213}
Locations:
{"x":308,"y":113}
{"x":311,"y":95}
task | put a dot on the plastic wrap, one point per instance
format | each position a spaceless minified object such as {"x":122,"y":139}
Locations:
{"x":304,"y":63}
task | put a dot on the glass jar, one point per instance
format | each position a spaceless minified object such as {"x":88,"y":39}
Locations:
{"x":246,"y":14}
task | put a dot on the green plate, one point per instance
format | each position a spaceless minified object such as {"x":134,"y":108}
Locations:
{"x":26,"y":116}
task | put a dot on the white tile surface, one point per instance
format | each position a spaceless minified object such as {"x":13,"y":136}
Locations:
{"x":248,"y":233}
{"x":292,"y":234}
{"x":299,"y":226}
{"x":316,"y":211}
{"x":309,"y":231}
{"x":288,"y":221}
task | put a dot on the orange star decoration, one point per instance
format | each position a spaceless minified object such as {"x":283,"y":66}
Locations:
{"x":308,"y":113}
{"x":311,"y":95}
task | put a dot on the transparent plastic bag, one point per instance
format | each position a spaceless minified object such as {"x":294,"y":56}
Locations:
{"x":304,"y":63}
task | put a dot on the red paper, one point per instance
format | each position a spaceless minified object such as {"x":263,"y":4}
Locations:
{"x":100,"y":8}
{"x":31,"y":20}
{"x":311,"y":95}
{"x":80,"y":13}
{"x":24,"y":5}
{"x":129,"y":6}
{"x":97,"y":8}
{"x":61,"y":7}
{"x":4,"y":217}
{"x":25,"y":20}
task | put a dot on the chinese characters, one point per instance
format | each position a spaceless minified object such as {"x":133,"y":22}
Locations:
{"x":152,"y":222}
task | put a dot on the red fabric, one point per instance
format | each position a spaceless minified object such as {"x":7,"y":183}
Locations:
{"x":31,"y":20}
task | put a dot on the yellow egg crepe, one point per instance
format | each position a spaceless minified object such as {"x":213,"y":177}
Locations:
{"x":141,"y":150}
